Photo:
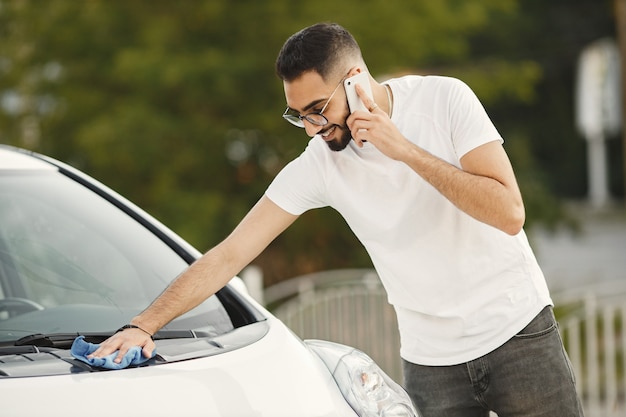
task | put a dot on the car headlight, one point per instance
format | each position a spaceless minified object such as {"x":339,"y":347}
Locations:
{"x":368,"y":390}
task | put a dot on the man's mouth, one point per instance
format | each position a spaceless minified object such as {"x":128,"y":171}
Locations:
{"x":326,"y":135}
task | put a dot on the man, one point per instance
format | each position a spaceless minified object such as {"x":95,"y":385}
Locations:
{"x":424,"y":182}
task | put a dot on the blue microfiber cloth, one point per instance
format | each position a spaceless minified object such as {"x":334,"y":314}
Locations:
{"x":80,"y":349}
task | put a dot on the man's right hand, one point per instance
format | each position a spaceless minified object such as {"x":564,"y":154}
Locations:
{"x":122,"y":342}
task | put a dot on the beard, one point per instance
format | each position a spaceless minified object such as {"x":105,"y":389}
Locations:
{"x":340,"y":143}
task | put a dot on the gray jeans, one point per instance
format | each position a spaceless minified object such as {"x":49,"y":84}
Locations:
{"x":530,"y":375}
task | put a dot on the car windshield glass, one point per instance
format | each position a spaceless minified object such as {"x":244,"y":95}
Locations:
{"x":70,"y":261}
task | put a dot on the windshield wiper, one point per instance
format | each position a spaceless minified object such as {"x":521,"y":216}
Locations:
{"x":65,"y":340}
{"x":57,"y":340}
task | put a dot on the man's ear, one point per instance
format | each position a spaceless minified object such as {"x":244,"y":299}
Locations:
{"x":354,"y":71}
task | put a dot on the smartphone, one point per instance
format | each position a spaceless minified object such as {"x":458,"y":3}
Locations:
{"x":349,"y":84}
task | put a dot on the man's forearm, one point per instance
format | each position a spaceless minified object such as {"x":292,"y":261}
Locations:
{"x":485,"y":198}
{"x":198,"y":282}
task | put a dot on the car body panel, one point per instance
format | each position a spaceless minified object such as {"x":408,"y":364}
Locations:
{"x":21,"y":160}
{"x":278,"y":371}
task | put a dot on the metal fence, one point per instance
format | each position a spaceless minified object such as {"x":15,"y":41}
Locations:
{"x":350,"y":307}
{"x":593,"y":326}
{"x":347,"y":306}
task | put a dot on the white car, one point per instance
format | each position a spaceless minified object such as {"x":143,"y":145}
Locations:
{"x":78,"y":259}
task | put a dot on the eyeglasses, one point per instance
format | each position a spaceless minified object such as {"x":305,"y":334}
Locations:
{"x":316,"y":117}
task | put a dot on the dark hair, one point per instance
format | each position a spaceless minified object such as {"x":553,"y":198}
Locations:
{"x":320,"y":48}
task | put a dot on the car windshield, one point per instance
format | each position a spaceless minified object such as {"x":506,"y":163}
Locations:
{"x":70,"y":261}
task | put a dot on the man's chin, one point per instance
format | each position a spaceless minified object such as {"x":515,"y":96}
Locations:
{"x":340,"y":143}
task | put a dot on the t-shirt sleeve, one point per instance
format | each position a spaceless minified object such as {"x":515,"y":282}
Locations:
{"x":469,"y":122}
{"x":300,"y":185}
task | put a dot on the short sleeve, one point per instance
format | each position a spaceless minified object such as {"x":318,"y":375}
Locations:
{"x":470,"y":125}
{"x":300,"y":185}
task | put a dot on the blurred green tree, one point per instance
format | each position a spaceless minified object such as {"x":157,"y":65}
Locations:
{"x":176,"y":105}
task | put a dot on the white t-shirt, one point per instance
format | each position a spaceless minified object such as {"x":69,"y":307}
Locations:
{"x":460,"y":288}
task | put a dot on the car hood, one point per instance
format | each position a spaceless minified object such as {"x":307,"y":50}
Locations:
{"x":275,"y":376}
